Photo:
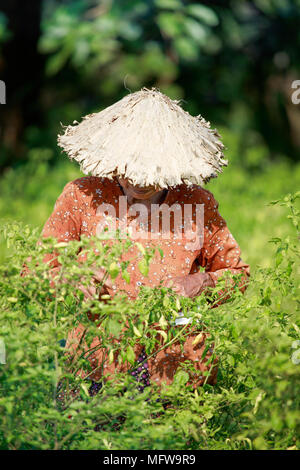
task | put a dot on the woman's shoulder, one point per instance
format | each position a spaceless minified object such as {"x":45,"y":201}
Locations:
{"x":87,"y":182}
{"x":91,"y":186}
{"x":197,"y":194}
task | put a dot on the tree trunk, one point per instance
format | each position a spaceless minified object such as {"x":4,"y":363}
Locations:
{"x":21,"y":69}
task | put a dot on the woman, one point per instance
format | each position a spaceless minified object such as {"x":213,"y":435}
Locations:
{"x":148,"y":159}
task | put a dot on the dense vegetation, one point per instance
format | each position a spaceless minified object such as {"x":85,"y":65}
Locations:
{"x":232,"y":61}
{"x":255,"y":403}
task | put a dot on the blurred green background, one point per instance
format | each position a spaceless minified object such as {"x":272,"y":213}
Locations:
{"x":233,"y":61}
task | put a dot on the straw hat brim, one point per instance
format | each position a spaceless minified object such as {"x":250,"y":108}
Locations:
{"x":147,"y":138}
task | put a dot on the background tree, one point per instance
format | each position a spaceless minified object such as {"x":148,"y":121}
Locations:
{"x":233,"y":61}
{"x":22,"y":71}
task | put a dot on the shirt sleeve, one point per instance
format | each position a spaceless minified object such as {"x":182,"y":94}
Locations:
{"x":64,"y":223}
{"x":221,"y":252}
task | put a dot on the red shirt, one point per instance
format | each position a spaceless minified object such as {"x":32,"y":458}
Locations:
{"x":76,"y":213}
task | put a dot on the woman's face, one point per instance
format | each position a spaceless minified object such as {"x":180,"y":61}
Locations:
{"x":137,"y":192}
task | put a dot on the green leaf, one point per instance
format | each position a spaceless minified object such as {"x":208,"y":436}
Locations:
{"x":186,"y":48}
{"x":279,"y":258}
{"x":197,"y":339}
{"x":126,"y":276}
{"x":113,"y":270}
{"x":249,"y":382}
{"x":129,"y":30}
{"x":56,"y":62}
{"x":61,"y":245}
{"x":111,"y":356}
{"x":141,"y":248}
{"x":85,"y":389}
{"x":272,"y":203}
{"x":181,"y":377}
{"x":162,"y":322}
{"x":130,"y":356}
{"x":196,"y":30}
{"x":143,"y":267}
{"x":170,"y":4}
{"x":166,"y":301}
{"x":114,"y":327}
{"x":230,"y":360}
{"x":136,"y":332}
{"x":163,"y":334}
{"x":171,"y":24}
{"x":204,"y":13}
{"x":105,"y":297}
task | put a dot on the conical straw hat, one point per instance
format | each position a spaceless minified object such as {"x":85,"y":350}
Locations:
{"x":147,"y":138}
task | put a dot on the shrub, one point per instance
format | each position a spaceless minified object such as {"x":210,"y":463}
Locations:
{"x":255,"y":403}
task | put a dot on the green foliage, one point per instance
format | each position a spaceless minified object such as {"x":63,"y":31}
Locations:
{"x":4,"y":32}
{"x":228,"y":61}
{"x":90,"y":38}
{"x":233,"y":62}
{"x":255,"y":404}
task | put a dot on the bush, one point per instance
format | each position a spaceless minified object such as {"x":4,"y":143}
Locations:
{"x":255,"y":403}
